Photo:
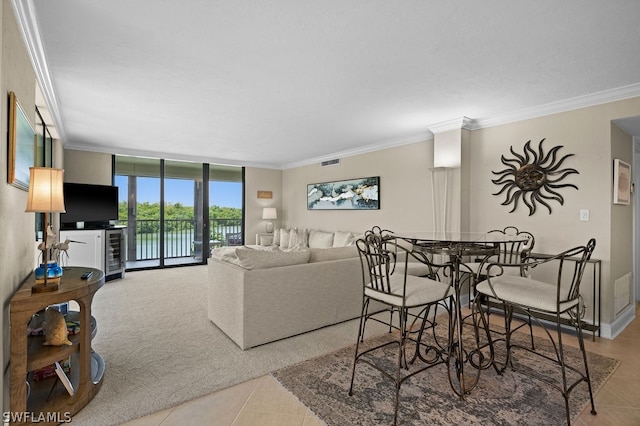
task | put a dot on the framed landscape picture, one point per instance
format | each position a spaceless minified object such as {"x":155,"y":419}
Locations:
{"x":621,"y":182}
{"x":352,"y":194}
{"x":21,"y":145}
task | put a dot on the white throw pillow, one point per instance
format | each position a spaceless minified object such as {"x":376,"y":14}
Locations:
{"x":285,"y":236}
{"x":261,"y":259}
{"x":298,"y":238}
{"x":266,"y":240}
{"x":224,"y":253}
{"x":276,"y":237}
{"x":320,"y":239}
{"x":342,"y":239}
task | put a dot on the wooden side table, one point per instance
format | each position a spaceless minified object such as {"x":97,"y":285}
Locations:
{"x":28,"y":353}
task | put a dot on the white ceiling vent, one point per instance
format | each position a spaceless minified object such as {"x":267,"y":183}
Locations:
{"x":330,"y":162}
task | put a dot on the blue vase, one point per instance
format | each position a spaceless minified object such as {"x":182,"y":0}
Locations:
{"x":53,"y":270}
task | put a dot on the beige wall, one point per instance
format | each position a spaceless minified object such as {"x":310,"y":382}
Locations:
{"x":587,"y":133}
{"x":258,"y":179}
{"x":407,"y":197}
{"x":621,"y":217}
{"x":16,"y":227}
{"x":87,"y":167}
{"x":405,"y":190}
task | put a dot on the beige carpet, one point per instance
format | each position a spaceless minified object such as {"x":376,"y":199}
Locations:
{"x":161,"y":350}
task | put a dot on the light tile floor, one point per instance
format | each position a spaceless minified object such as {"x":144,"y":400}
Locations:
{"x":265,"y":402}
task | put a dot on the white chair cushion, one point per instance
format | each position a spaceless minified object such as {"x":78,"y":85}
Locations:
{"x":419,"y":291}
{"x":535,"y":294}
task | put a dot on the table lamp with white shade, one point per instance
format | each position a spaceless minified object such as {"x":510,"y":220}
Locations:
{"x":45,"y":196}
{"x":269,"y":214}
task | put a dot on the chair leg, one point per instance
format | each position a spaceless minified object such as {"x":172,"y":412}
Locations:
{"x":533,"y":346}
{"x":508,"y":310}
{"x":363,"y":324}
{"x":360,"y":336}
{"x":565,"y":392}
{"x":402,"y":313}
{"x":586,"y":366}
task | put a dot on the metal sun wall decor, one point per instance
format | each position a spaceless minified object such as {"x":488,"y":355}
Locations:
{"x":353,"y":194}
{"x":533,"y":177}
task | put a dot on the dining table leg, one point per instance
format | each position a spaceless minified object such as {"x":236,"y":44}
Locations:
{"x":462,"y":381}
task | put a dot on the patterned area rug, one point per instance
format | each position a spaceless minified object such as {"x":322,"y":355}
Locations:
{"x":322,"y":384}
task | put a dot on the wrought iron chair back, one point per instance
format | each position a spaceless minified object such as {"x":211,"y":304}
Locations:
{"x":512,"y":251}
{"x":378,"y":263}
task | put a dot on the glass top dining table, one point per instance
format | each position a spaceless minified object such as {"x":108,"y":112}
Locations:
{"x":458,"y":246}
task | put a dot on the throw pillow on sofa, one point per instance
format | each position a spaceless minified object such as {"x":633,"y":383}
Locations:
{"x":261,"y":259}
{"x":320,"y":239}
{"x":343,"y":239}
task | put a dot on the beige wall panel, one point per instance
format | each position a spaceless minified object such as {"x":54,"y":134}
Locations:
{"x":405,"y":191}
{"x":258,"y":179}
{"x":16,"y":226}
{"x":587,"y":134}
{"x":87,"y":167}
{"x":621,"y":215}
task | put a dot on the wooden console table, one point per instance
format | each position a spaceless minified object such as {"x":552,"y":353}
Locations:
{"x":28,"y":353}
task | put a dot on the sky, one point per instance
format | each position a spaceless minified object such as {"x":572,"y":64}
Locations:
{"x":223,"y":194}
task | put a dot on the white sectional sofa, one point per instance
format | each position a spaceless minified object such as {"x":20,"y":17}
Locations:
{"x":302,"y":281}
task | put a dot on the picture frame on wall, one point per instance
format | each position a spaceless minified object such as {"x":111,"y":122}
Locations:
{"x":21,"y":153}
{"x":621,"y":182}
{"x":351,"y":194}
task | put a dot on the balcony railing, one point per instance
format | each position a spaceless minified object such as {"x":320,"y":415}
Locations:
{"x":179,"y":238}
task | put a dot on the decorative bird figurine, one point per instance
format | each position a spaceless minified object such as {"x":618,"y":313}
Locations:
{"x":62,"y":247}
{"x":48,"y":243}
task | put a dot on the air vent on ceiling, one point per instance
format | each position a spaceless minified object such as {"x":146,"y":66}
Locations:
{"x":330,"y":162}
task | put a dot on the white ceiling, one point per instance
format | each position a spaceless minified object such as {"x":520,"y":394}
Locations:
{"x":290,"y":82}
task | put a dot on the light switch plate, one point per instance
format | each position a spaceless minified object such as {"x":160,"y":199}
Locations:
{"x":584,"y":215}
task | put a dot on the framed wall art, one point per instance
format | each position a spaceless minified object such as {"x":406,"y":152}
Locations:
{"x":621,"y":182}
{"x":21,"y":154}
{"x":352,"y":194}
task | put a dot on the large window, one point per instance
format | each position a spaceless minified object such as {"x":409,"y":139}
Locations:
{"x":162,"y":204}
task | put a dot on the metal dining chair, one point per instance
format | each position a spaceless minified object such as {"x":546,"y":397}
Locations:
{"x":510,"y":254}
{"x":408,"y":295}
{"x":557,"y":301}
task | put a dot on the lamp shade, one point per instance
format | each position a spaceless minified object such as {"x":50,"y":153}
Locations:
{"x":45,"y":190}
{"x":269,"y":213}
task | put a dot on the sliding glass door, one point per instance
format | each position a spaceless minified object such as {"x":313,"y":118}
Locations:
{"x":225,"y":206}
{"x":162,"y":203}
{"x":183,"y":212}
{"x":139,"y":191}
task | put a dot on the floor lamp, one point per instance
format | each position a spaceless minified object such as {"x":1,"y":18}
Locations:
{"x":45,"y":196}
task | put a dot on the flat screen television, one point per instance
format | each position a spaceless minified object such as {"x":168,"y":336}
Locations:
{"x":95,"y":205}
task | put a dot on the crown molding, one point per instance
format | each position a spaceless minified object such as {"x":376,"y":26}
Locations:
{"x":390,"y":143}
{"x":454,"y":124}
{"x":28,"y":24}
{"x":606,"y":96}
